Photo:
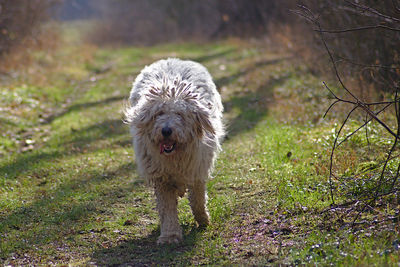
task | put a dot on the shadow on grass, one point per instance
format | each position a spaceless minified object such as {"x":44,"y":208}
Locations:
{"x":25,"y":162}
{"x":78,"y":107}
{"x":251,"y":107}
{"x":231,"y":78}
{"x":145,"y":252}
{"x":205,"y":58}
{"x":76,"y":142}
{"x":96,"y":132}
{"x":62,"y":212}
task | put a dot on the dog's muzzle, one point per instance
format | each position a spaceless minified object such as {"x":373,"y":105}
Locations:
{"x":166,"y":146}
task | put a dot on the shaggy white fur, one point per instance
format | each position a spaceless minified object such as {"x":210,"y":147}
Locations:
{"x":175,"y":115}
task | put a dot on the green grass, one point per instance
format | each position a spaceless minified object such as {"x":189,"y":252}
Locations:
{"x":71,"y":194}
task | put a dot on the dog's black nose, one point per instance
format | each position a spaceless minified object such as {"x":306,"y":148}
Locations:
{"x":166,"y":131}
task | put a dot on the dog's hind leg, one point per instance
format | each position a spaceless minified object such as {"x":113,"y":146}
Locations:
{"x":198,"y":201}
{"x":167,"y":202}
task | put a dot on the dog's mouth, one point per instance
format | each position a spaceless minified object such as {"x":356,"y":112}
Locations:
{"x":167,"y":147}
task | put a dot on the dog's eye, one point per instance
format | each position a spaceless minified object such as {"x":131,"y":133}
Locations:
{"x":180,"y":115}
{"x":159,"y":114}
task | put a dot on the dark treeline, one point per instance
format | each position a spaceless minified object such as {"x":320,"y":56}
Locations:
{"x":154,"y":21}
{"x":364,"y":35}
{"x":20,"y":21}
{"x":370,"y":55}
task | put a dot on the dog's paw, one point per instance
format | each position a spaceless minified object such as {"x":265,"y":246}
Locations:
{"x":169,"y":239}
{"x":202,"y":220}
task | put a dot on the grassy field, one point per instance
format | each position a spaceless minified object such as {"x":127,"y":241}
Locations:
{"x":70,"y":194}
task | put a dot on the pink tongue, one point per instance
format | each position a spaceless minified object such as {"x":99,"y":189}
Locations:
{"x":161,"y":148}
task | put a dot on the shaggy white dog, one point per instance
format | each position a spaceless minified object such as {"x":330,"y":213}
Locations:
{"x":175,"y":116}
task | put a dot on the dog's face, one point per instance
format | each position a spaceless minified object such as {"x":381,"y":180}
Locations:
{"x":171,"y":124}
{"x":170,"y":131}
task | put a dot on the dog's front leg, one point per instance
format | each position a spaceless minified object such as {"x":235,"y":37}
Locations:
{"x":198,"y":201}
{"x":167,"y":202}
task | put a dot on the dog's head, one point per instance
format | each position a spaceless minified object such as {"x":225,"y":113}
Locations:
{"x":172,"y":118}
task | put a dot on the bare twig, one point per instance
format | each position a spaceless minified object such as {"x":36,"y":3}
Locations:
{"x":378,"y":187}
{"x":333,"y":152}
{"x":368,"y":66}
{"x":372,"y":11}
{"x":326,"y":112}
{"x":366,"y":131}
{"x":396,"y":5}
{"x":359,"y":103}
{"x":366,"y":200}
{"x":391,"y":149}
{"x":397,"y":109}
{"x":369,"y":120}
{"x":356,"y":201}
{"x":356,"y":102}
{"x":350,"y":30}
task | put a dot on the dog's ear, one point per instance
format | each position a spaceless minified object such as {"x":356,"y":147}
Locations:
{"x":142,"y":119}
{"x":203,"y":123}
{"x":145,"y":115}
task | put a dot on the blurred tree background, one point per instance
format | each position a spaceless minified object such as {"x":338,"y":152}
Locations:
{"x":20,"y":22}
{"x":368,"y":55}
